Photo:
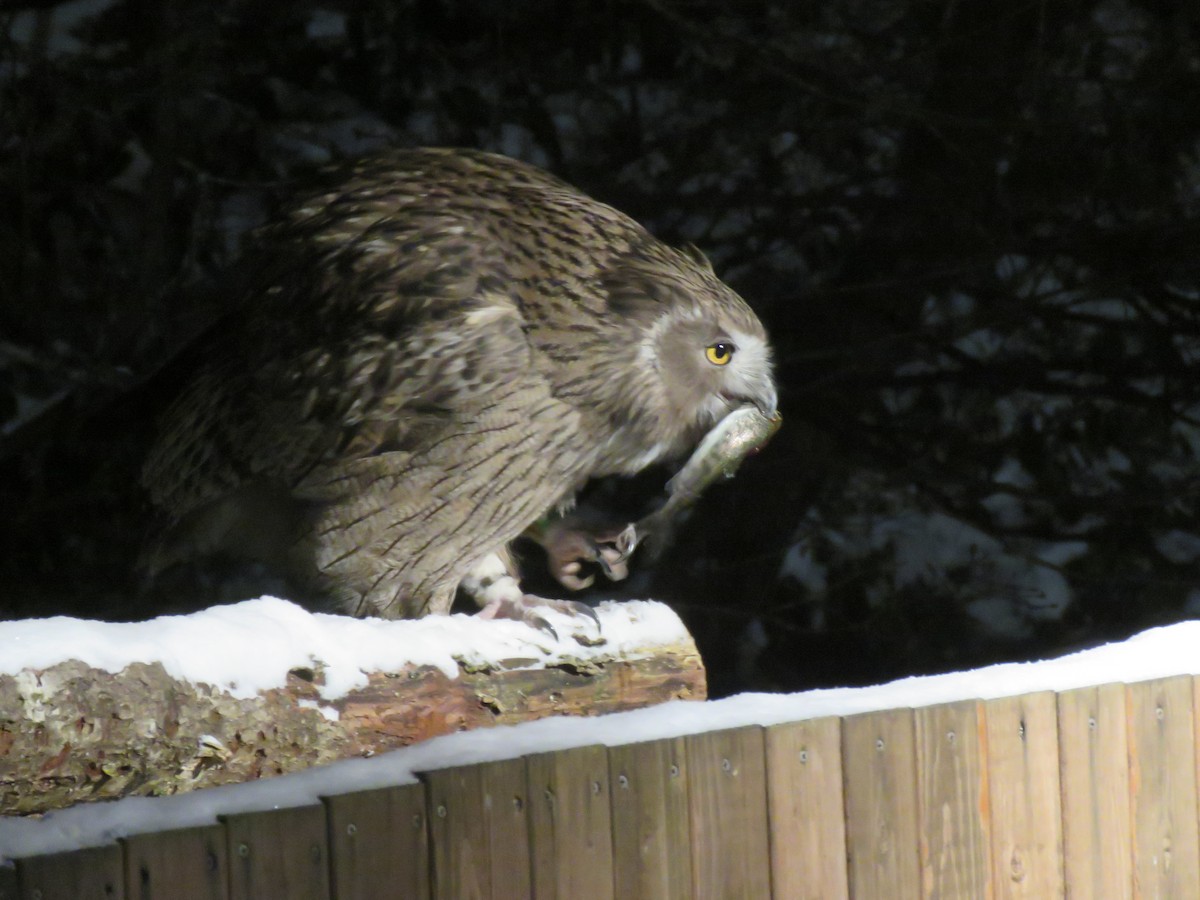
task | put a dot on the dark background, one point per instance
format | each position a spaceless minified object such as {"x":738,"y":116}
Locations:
{"x":971,"y":228}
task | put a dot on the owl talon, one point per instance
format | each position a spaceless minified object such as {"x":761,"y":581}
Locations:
{"x":570,"y":545}
{"x":622,"y":548}
{"x":529,"y":609}
{"x":541,"y":624}
{"x":574,"y":607}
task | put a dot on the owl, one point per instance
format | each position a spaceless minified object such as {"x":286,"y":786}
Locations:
{"x":435,"y":351}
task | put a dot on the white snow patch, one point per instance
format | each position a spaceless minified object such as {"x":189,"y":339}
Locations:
{"x":1157,"y":653}
{"x":1006,"y":510}
{"x":251,"y":646}
{"x":981,"y":344}
{"x":1180,"y":547}
{"x":930,"y":543}
{"x":325,"y":24}
{"x":1012,"y":472}
{"x":65,"y":18}
{"x":801,"y":565}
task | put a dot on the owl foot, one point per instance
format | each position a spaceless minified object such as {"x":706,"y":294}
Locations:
{"x":570,"y":547}
{"x":493,"y":584}
{"x":530,"y":609}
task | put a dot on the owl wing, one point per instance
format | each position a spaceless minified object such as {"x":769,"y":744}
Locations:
{"x":347,"y":352}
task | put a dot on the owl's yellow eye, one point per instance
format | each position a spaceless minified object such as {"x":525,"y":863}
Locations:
{"x":720,"y":353}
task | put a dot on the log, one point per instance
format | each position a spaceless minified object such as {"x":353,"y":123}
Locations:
{"x":73,"y":731}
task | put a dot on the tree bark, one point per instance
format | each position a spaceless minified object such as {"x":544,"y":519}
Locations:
{"x":71,"y":733}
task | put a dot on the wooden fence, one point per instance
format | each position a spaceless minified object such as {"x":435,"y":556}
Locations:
{"x":1087,"y":793}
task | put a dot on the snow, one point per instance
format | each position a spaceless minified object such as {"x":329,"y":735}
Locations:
{"x":1157,"y":653}
{"x":249,"y":647}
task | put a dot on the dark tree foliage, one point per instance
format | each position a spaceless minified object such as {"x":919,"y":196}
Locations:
{"x":972,"y":229}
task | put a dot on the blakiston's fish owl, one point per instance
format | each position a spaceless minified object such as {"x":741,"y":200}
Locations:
{"x":437,"y":351}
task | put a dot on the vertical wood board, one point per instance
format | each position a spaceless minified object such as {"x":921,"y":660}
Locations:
{"x":806,"y":809}
{"x":1166,"y":852}
{"x":1023,"y":773}
{"x":1094,"y":762}
{"x":185,"y":864}
{"x":479,"y":830}
{"x":727,"y":800}
{"x":280,"y":852}
{"x":458,"y":833}
{"x":570,"y":826}
{"x":506,"y":813}
{"x":952,"y":792}
{"x":378,"y":843}
{"x":652,"y":854}
{"x":880,"y":771}
{"x":96,"y":873}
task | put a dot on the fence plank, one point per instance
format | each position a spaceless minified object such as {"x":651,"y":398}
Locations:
{"x":378,"y":844}
{"x":652,"y":853}
{"x":458,"y":835}
{"x":1022,"y":769}
{"x":185,"y":864}
{"x":479,"y":830}
{"x":806,"y":809}
{"x":280,"y":852}
{"x":1094,"y":761}
{"x":570,"y":826}
{"x":727,"y":802}
{"x":1166,"y":847}
{"x":506,"y":806}
{"x":96,"y":873}
{"x":880,"y":772}
{"x":952,"y":801}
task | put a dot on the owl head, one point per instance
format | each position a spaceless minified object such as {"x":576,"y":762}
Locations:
{"x":701,"y":350}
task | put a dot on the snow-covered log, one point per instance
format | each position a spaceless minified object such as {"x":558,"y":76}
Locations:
{"x":92,"y":710}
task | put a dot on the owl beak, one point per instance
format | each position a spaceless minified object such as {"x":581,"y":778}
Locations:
{"x":768,"y":404}
{"x":760,"y":394}
{"x":764,"y":396}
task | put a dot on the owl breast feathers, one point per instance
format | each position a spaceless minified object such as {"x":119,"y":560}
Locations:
{"x":436,"y":351}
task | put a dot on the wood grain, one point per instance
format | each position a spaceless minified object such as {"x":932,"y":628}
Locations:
{"x":96,"y":873}
{"x":1026,"y":823}
{"x":506,"y":812}
{"x":727,"y":800}
{"x":1094,"y":762}
{"x":278,"y":853}
{"x":1162,"y":773}
{"x":378,"y":843}
{"x":952,"y":792}
{"x":879,"y":762}
{"x":652,"y":854}
{"x":185,"y":864}
{"x":458,"y":834}
{"x":479,"y":830}
{"x":805,"y":804}
{"x":570,"y":826}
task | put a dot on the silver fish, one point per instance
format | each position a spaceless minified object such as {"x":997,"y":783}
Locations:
{"x":741,"y":433}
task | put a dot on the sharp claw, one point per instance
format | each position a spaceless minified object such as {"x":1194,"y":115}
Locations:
{"x":625,"y":543}
{"x":541,"y":625}
{"x":582,"y":609}
{"x":627,"y":540}
{"x":602,"y":561}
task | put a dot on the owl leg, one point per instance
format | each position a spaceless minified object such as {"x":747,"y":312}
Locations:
{"x":492,"y":582}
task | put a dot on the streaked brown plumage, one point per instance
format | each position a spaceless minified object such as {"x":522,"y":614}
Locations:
{"x":437,"y":351}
